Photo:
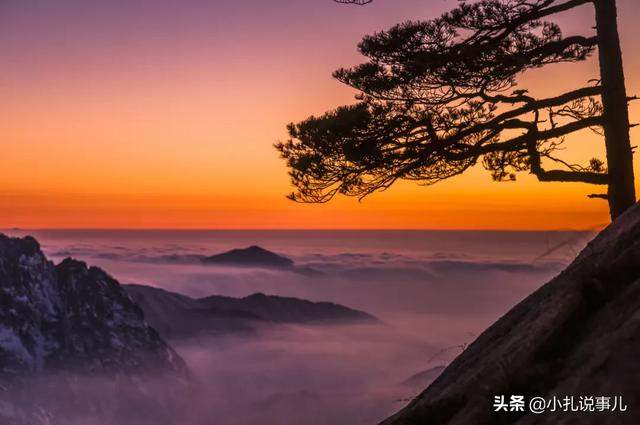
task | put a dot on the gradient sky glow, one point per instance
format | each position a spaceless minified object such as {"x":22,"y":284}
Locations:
{"x":162,"y":114}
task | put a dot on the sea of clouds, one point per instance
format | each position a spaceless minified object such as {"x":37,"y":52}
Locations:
{"x":431,"y":304}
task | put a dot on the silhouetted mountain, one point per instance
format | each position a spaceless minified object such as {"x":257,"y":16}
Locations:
{"x":578,"y":335}
{"x":68,"y":319}
{"x":179,"y":316}
{"x":252,"y":256}
{"x":289,"y":310}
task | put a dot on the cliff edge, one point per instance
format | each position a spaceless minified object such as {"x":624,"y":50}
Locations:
{"x":578,"y":335}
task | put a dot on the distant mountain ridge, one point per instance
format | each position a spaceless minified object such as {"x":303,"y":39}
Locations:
{"x":179,"y":316}
{"x":279,"y":309}
{"x":251,"y":256}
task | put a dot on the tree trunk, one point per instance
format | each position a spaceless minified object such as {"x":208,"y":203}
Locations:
{"x":616,"y":112}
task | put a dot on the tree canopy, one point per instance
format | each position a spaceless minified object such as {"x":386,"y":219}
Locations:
{"x":437,"y":97}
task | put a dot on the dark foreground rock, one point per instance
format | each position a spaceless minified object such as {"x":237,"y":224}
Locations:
{"x":68,"y":331}
{"x":178,"y":316}
{"x":579,"y":335}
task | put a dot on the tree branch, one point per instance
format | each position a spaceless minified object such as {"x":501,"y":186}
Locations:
{"x":570,"y":176}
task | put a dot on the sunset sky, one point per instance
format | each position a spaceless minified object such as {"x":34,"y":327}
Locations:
{"x":163,"y":113}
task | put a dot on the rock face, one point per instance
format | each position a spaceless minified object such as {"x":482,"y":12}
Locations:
{"x":71,"y":322}
{"x":70,"y":315}
{"x":579,"y":335}
{"x":179,"y":316}
{"x":254,"y":256}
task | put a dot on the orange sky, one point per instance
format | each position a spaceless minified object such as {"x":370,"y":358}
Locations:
{"x":162,"y":114}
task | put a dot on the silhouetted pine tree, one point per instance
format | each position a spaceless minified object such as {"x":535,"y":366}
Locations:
{"x":438,"y":97}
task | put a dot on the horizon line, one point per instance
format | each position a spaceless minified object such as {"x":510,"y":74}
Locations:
{"x":309,"y":229}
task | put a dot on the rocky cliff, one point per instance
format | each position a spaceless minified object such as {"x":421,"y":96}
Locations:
{"x":578,"y":335}
{"x":71,"y":322}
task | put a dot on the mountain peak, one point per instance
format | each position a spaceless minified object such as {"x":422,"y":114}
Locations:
{"x":14,"y":247}
{"x":70,"y":316}
{"x":252,"y":256}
